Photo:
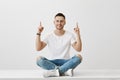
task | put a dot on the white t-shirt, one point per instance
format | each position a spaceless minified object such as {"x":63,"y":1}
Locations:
{"x":59,"y":46}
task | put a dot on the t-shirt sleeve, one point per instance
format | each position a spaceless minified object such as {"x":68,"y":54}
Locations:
{"x":73,"y":40}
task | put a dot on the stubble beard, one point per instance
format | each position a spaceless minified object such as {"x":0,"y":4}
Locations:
{"x":59,"y":28}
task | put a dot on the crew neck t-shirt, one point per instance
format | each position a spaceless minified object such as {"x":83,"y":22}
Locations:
{"x":59,"y":46}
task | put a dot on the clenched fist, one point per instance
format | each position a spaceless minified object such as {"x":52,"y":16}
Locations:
{"x":40,"y":28}
{"x":76,"y":29}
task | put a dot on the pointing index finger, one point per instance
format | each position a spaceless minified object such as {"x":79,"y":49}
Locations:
{"x":40,"y":23}
{"x":77,"y":24}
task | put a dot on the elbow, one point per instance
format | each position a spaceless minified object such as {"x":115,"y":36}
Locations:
{"x":79,"y":49}
{"x":38,"y":49}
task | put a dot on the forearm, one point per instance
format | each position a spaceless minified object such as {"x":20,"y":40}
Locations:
{"x":38,"y":43}
{"x":78,"y":42}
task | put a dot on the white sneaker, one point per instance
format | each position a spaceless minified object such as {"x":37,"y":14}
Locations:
{"x":51,"y":73}
{"x":69,"y":72}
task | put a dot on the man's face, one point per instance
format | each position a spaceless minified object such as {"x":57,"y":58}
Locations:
{"x":59,"y":22}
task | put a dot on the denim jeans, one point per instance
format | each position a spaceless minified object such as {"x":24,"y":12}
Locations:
{"x":62,"y":64}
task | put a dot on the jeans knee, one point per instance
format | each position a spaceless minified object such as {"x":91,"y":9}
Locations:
{"x":39,"y":60}
{"x":79,"y":56}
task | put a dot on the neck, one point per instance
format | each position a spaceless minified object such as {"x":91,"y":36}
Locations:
{"x":59,"y":32}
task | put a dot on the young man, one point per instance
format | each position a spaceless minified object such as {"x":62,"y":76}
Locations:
{"x":59,"y":43}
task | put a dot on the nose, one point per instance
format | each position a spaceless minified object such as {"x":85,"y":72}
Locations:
{"x":59,"y":22}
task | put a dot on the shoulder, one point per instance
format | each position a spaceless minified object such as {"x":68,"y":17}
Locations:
{"x":69,"y":33}
{"x":48,"y":35}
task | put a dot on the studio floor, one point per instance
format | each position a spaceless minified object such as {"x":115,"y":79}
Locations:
{"x":82,"y":74}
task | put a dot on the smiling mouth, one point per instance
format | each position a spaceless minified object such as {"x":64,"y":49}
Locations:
{"x":60,"y":26}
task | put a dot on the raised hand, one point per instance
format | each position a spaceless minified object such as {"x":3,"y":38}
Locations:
{"x":40,"y":28}
{"x":76,"y":29}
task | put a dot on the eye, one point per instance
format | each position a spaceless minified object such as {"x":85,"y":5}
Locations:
{"x":57,"y":20}
{"x":61,"y":21}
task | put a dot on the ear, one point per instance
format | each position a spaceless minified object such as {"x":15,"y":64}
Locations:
{"x":54,"y":22}
{"x":65,"y":21}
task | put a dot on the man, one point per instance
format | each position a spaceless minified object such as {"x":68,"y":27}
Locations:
{"x":59,"y":43}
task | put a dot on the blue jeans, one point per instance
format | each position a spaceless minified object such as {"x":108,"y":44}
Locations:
{"x":61,"y":64}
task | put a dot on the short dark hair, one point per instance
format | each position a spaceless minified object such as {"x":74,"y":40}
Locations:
{"x":60,"y":14}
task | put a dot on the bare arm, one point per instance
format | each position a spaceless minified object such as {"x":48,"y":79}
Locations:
{"x":39,"y":44}
{"x":78,"y":44}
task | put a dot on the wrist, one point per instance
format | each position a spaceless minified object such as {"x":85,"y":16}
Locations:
{"x":38,"y":34}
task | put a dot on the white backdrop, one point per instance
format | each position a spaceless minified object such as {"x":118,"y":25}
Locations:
{"x":99,"y":22}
